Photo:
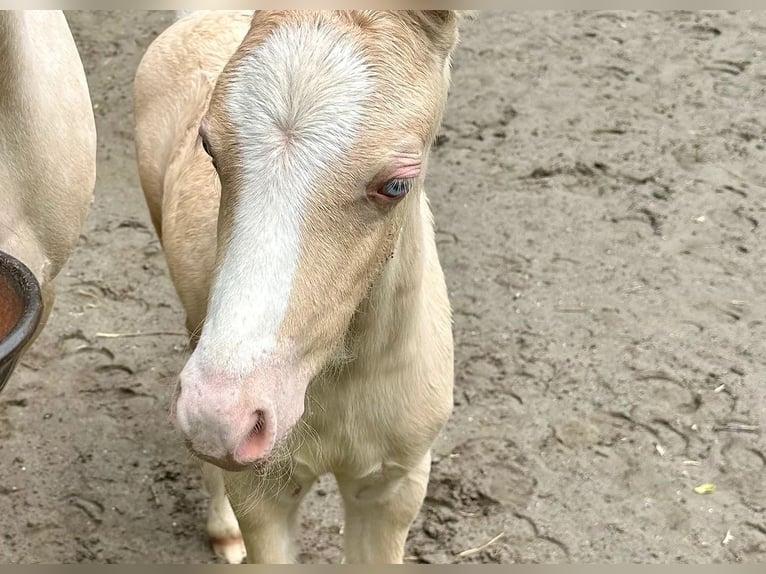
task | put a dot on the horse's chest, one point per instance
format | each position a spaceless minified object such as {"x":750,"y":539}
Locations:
{"x":351,"y":428}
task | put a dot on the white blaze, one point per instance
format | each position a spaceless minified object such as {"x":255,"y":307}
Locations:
{"x":297,"y":103}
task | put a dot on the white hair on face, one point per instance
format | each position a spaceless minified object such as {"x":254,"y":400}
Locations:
{"x":297,"y":103}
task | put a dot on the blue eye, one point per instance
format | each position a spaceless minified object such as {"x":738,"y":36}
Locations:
{"x":396,"y":188}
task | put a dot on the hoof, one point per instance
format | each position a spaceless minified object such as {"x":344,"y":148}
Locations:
{"x":232,"y":550}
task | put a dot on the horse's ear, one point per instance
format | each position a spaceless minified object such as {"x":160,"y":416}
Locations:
{"x":441,"y":26}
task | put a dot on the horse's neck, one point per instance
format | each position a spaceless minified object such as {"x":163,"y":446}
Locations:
{"x":11,"y":25}
{"x":17,"y":104}
{"x":15,"y":61}
{"x":392,"y":310}
{"x":47,"y":140}
{"x":20,"y":120}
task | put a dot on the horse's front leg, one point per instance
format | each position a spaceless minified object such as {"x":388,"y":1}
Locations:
{"x":222,"y":525}
{"x":268,"y":513}
{"x":379,"y":512}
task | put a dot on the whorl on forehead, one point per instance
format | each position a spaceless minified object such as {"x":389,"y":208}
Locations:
{"x":441,"y":26}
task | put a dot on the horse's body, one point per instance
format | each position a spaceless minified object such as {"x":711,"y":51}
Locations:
{"x":305,"y":259}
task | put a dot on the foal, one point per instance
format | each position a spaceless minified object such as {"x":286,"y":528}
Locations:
{"x":282,"y":156}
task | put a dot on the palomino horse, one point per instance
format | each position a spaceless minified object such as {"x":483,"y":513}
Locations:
{"x":47,"y":157}
{"x":283,"y":155}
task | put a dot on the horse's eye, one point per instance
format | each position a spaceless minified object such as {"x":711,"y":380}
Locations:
{"x":396,"y":188}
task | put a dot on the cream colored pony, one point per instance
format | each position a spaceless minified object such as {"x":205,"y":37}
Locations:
{"x":283,"y":157}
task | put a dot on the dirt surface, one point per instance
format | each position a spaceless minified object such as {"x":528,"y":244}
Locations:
{"x":600,"y":194}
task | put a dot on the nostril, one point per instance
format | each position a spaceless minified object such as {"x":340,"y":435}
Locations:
{"x":259,"y":441}
{"x":259,"y":425}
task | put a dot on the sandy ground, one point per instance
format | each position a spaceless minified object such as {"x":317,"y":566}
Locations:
{"x":599,"y":191}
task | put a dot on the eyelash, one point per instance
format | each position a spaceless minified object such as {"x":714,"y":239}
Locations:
{"x":400,"y":188}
